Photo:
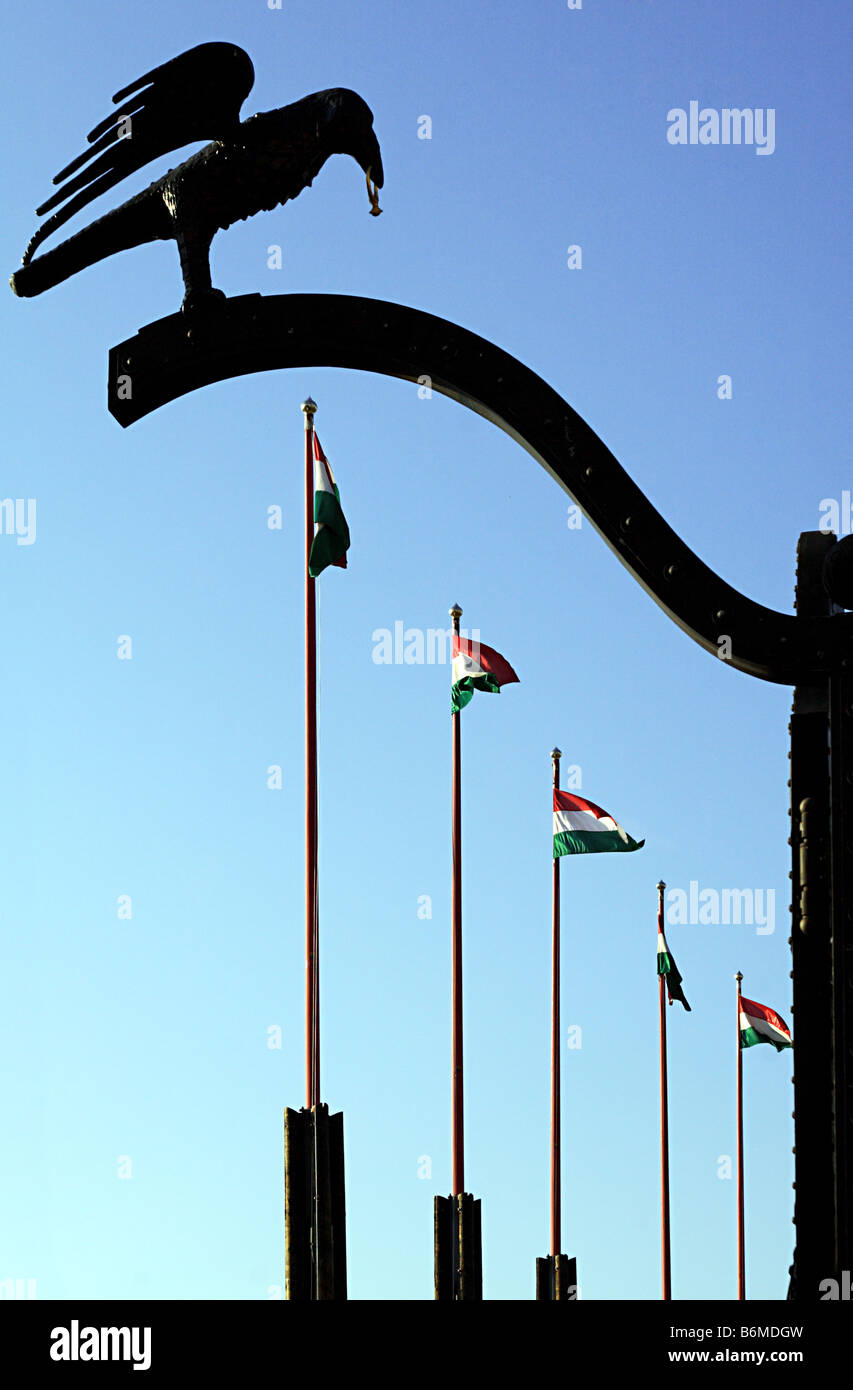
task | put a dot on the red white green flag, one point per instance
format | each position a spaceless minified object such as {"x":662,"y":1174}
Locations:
{"x":331,"y":533}
{"x":476,"y":667}
{"x":758,"y":1024}
{"x":668,"y":968}
{"x":581,"y":827}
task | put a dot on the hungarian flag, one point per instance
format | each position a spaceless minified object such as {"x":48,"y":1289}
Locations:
{"x":581,"y":827}
{"x":476,"y":667}
{"x":668,"y":968}
{"x":331,"y":533}
{"x":758,"y":1024}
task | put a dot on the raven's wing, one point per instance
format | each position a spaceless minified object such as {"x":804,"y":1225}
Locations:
{"x":196,"y":96}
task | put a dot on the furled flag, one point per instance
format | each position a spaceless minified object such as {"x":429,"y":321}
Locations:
{"x":758,"y":1024}
{"x":580,"y":827}
{"x":668,"y":968}
{"x":476,"y":667}
{"x":331,"y":533}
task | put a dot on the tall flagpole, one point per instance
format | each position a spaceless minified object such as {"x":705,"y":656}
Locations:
{"x":555,"y":1036}
{"x":666,"y":1274}
{"x":457,"y":1219}
{"x":458,"y":1123}
{"x":741,"y":1256}
{"x":312,"y":1001}
{"x":314,"y":1185}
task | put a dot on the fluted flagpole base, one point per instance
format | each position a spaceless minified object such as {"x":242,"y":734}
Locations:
{"x":556,"y":1277}
{"x":458,"y":1234}
{"x":314,"y":1205}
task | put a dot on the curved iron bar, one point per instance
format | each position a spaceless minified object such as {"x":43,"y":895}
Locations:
{"x":254,"y":333}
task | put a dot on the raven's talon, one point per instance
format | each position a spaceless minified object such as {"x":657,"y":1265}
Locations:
{"x":200,"y":300}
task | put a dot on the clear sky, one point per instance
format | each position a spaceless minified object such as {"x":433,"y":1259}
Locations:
{"x":141,"y":1145}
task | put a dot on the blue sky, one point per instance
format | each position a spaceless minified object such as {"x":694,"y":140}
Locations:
{"x":146,"y":1039}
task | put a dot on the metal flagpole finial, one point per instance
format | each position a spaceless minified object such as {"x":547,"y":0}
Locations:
{"x":456,"y":611}
{"x":308,"y":408}
{"x":661,"y":886}
{"x":556,"y":755}
{"x":738,"y":977}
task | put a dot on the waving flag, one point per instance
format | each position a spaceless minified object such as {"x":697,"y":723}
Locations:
{"x":758,"y":1024}
{"x":331,"y":533}
{"x":668,"y":968}
{"x":581,"y":827}
{"x":476,"y":667}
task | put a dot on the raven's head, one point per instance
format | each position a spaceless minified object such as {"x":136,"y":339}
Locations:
{"x":349,"y":128}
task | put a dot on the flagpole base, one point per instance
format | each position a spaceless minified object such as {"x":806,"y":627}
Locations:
{"x":458,"y":1248}
{"x":556,"y":1277}
{"x":314,"y":1205}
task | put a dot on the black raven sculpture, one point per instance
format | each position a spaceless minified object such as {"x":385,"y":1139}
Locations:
{"x":251,"y":165}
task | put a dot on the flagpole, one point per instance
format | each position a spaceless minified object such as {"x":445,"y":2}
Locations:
{"x":458,"y":1123}
{"x":666,"y":1273}
{"x":556,"y":1245}
{"x":312,"y":1001}
{"x":741,"y":1255}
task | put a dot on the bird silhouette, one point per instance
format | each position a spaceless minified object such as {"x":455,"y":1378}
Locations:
{"x":250,"y":166}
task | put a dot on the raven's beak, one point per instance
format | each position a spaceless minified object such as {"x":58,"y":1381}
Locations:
{"x":370,"y":158}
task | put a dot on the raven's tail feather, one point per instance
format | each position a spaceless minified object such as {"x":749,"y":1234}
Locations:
{"x":132,"y":224}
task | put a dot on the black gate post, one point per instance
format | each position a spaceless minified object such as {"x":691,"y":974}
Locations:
{"x":810,"y":940}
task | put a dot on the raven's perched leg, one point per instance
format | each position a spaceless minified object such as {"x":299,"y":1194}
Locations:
{"x":193,"y":235}
{"x":194,"y":251}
